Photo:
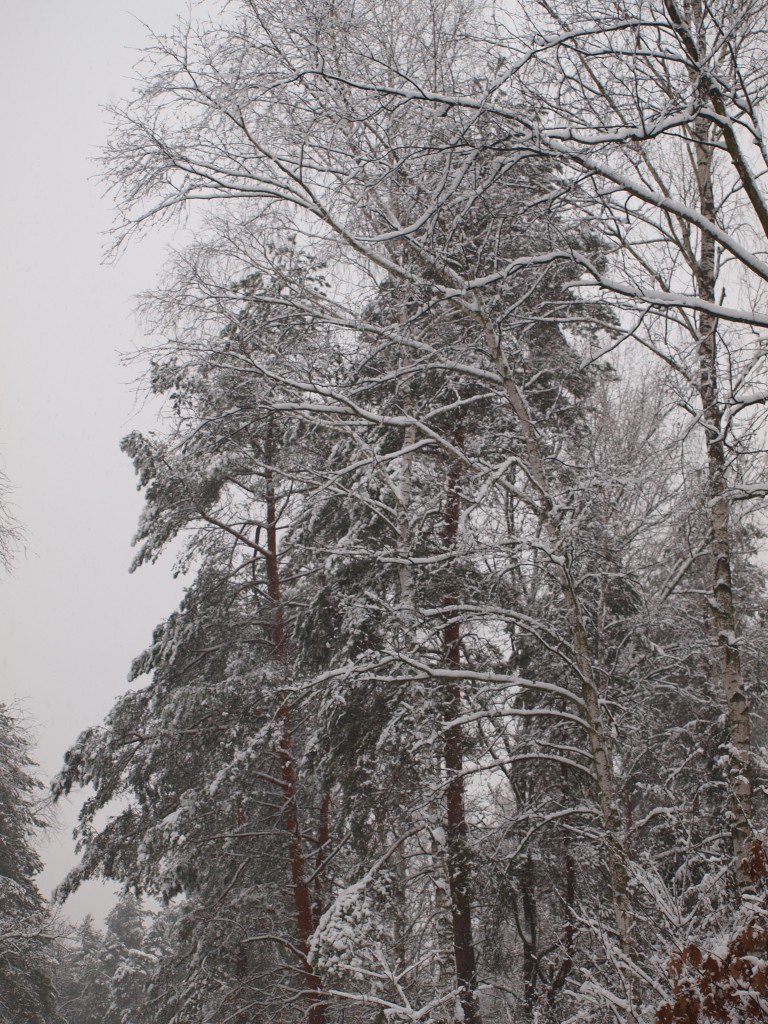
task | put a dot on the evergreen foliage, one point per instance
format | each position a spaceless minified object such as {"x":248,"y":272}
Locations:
{"x":25,"y":986}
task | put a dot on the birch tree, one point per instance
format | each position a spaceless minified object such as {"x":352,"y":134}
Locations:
{"x":653,"y":107}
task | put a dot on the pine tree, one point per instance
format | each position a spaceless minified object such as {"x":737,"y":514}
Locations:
{"x":26,"y":993}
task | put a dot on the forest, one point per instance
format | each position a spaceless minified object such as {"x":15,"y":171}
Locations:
{"x":461,"y":362}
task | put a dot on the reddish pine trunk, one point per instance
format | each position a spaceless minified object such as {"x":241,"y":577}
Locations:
{"x":301,"y":894}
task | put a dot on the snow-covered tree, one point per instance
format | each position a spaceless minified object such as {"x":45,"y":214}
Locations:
{"x":454,"y":708}
{"x":25,"y":984}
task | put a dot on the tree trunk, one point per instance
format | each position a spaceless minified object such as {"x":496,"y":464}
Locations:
{"x":301,"y":892}
{"x":530,"y":938}
{"x":457,"y":852}
{"x":597,"y":733}
{"x":722,"y":615}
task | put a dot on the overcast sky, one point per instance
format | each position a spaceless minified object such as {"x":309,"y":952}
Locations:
{"x":72,"y":618}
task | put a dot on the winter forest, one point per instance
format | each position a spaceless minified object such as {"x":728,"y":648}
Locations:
{"x":462,"y":351}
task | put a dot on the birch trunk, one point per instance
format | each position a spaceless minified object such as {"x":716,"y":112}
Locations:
{"x":722,"y":615}
{"x":597,"y":732}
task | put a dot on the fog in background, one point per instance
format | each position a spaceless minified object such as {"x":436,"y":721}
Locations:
{"x":72,"y":618}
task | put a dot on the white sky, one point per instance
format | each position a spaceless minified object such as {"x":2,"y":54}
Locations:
{"x":72,"y":618}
